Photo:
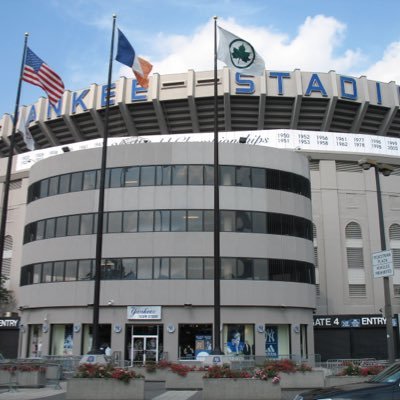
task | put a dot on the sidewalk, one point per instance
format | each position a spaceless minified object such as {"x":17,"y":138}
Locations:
{"x":153,"y":391}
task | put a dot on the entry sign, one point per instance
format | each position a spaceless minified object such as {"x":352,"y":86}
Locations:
{"x":382,"y":263}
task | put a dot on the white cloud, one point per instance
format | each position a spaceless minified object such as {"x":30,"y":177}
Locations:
{"x":314,"y":48}
{"x":386,"y":69}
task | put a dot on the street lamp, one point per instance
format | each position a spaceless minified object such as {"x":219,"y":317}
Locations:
{"x":385,"y":170}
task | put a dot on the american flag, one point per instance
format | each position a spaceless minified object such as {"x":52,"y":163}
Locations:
{"x":38,"y":73}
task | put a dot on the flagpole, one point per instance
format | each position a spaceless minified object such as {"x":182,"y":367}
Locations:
{"x":217,"y":258}
{"x":9,"y":161}
{"x":100,"y":215}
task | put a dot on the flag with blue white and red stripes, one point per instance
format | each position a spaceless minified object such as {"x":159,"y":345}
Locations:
{"x":38,"y":73}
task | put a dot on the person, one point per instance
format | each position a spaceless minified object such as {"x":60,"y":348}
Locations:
{"x":234,"y":346}
{"x":188,"y":352}
{"x":246,"y":348}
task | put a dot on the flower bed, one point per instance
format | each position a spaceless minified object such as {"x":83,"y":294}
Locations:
{"x":23,"y":374}
{"x":353,"y":373}
{"x":106,"y":372}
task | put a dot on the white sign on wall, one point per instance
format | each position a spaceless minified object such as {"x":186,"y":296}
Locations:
{"x":331,"y":142}
{"x":143,"y":312}
{"x":382,"y":263}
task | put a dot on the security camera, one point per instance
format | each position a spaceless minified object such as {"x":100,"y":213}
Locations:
{"x":386,"y":169}
{"x":366,"y":164}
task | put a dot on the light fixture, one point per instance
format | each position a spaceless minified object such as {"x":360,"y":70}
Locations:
{"x":110,"y":302}
{"x":65,"y":149}
{"x":187,"y":305}
{"x":243,"y":139}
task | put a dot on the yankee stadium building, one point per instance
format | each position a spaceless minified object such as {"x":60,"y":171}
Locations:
{"x":299,"y":218}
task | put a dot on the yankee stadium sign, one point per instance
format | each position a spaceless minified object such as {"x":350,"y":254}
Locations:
{"x":273,"y":83}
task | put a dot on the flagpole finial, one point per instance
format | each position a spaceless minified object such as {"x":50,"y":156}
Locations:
{"x":215,"y":17}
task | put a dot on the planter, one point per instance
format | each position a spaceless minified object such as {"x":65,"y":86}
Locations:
{"x":193,"y":380}
{"x":6,"y":377}
{"x":104,"y":389}
{"x":240,"y":389}
{"x":302,"y":380}
{"x":31,"y":378}
{"x":159,"y":375}
{"x":334,"y":380}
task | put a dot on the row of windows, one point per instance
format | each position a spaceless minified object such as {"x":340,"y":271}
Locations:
{"x":160,"y":175}
{"x":169,"y":221}
{"x":169,"y":268}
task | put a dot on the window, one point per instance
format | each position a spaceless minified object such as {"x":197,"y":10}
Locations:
{"x":76,"y":181}
{"x":86,"y":224}
{"x":243,"y":221}
{"x":227,"y":221}
{"x":145,"y":268}
{"x":179,"y":174}
{"x":85,"y":270}
{"x":195,"y":220}
{"x":58,"y":271}
{"x":178,"y":221}
{"x":164,"y":173}
{"x":228,"y":268}
{"x":128,"y":268}
{"x":227,"y":175}
{"x":259,"y":222}
{"x":73,"y":225}
{"x":258,"y":177}
{"x":50,"y":228}
{"x":243,"y":177}
{"x":195,"y":175}
{"x":116,"y":177}
{"x":53,"y":186}
{"x":131,"y":176}
{"x":147,"y":176}
{"x":71,"y":268}
{"x":195,"y":268}
{"x":61,"y":227}
{"x":260,"y":268}
{"x":89,"y":180}
{"x":162,"y":220}
{"x":146,"y":221}
{"x":114,"y":222}
{"x":161,"y":268}
{"x":355,"y":260}
{"x":130,"y":221}
{"x":47,"y":272}
{"x":178,"y":268}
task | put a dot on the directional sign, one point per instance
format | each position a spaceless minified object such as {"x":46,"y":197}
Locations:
{"x":382,"y":263}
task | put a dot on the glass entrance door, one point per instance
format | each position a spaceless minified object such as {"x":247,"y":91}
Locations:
{"x":144,"y":348}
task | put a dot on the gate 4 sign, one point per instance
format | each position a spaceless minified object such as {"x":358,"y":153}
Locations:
{"x":382,"y":263}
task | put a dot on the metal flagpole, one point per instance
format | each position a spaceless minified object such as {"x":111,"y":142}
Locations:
{"x":100,"y":215}
{"x":9,"y":161}
{"x":217,"y":258}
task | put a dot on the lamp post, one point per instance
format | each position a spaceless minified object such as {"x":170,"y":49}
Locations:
{"x":385,"y":170}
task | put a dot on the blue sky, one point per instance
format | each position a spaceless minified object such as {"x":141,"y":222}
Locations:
{"x":73,"y":37}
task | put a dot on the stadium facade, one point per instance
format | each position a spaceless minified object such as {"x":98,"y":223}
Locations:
{"x":299,"y":216}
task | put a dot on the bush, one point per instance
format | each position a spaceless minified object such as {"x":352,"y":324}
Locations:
{"x":217,"y":371}
{"x":287,"y":366}
{"x":351,"y":369}
{"x":105,"y":372}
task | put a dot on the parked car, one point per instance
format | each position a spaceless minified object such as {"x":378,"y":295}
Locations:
{"x":384,"y":386}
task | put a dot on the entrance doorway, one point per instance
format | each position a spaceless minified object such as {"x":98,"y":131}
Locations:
{"x":144,"y":348}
